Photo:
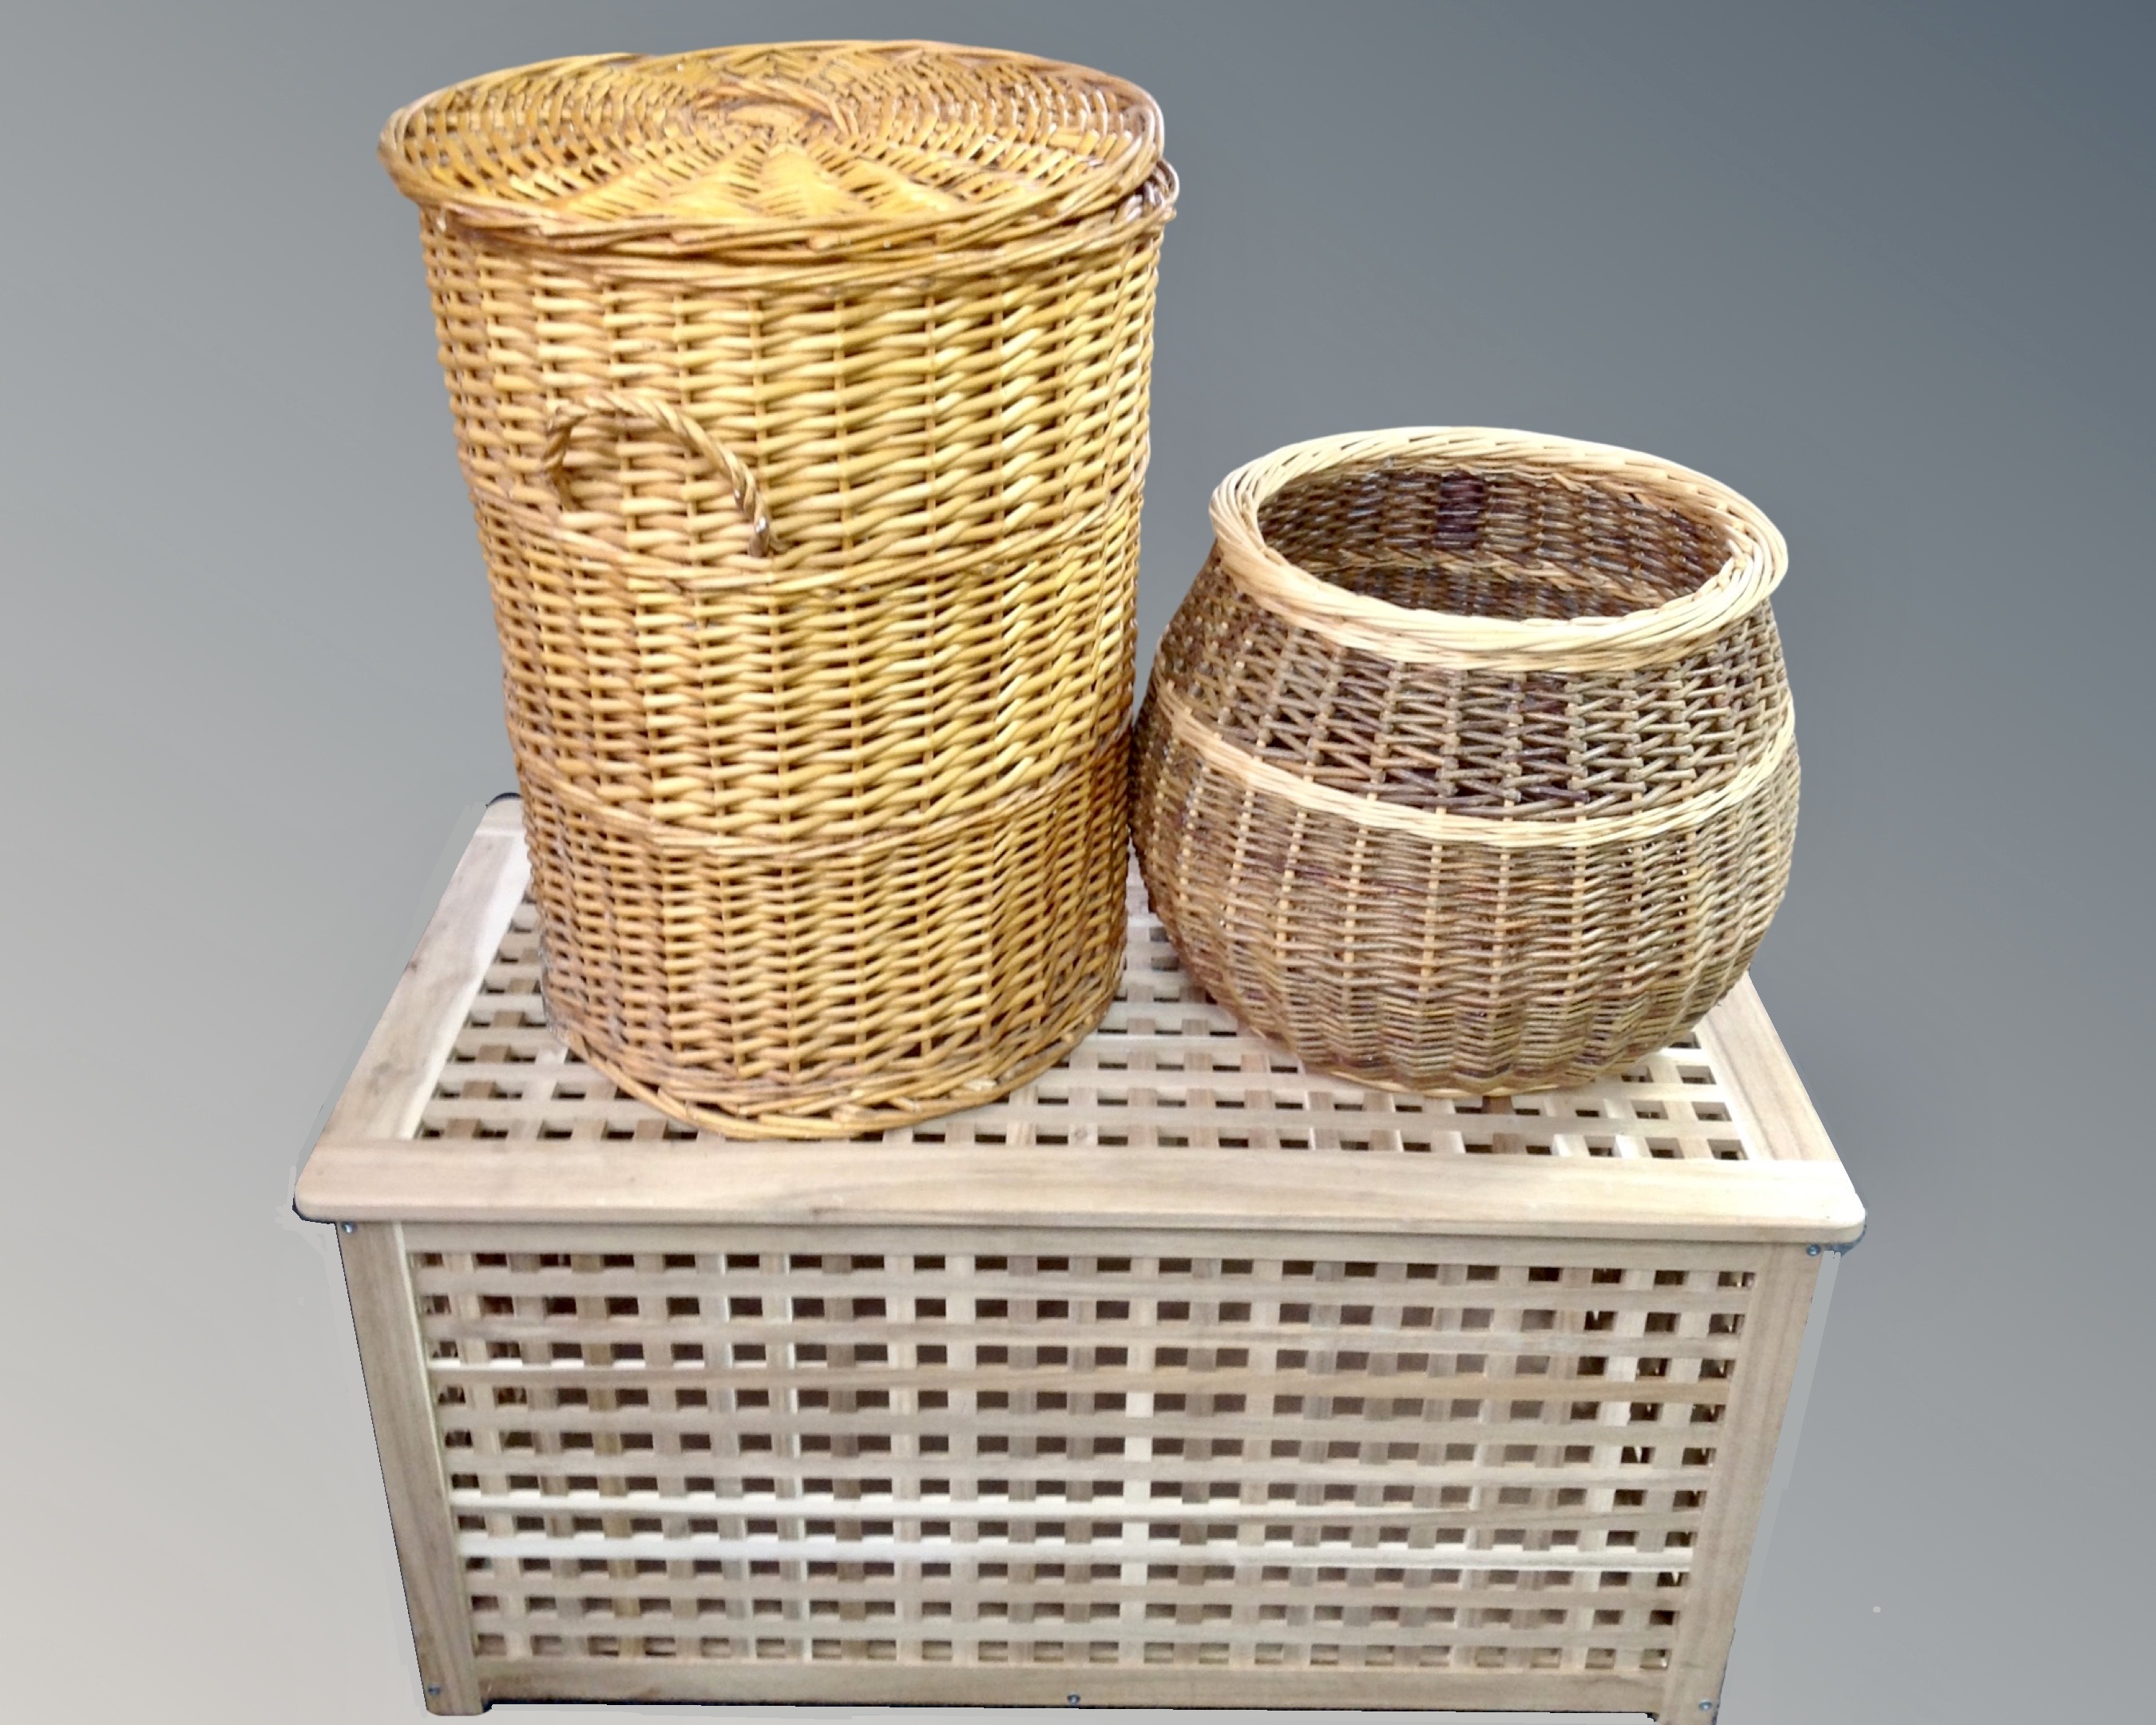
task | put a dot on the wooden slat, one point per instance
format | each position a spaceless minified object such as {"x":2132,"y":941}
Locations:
{"x":1284,"y":1237}
{"x":833,"y":1548}
{"x":400,"y":1401}
{"x":1745,"y":1443}
{"x":396,"y":1071}
{"x":1740,"y":1039}
{"x":998,"y":1506}
{"x":1015,"y":1185}
{"x":1793,"y":1417}
{"x":863,"y":1681}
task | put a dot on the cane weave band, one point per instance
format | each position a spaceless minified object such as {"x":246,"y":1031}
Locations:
{"x":1469,"y":828}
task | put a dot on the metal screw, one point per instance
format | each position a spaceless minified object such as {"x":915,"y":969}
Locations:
{"x":432,"y":1688}
{"x":1708,"y":1707}
{"x":1070,"y":1699}
{"x":349,"y":1227}
{"x":1811,"y":1251}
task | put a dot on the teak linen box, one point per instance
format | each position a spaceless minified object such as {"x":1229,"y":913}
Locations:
{"x":1181,"y":1377}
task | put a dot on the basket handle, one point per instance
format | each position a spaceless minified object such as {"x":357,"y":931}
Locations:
{"x":655,"y":410}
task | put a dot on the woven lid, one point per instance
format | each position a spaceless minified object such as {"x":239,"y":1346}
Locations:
{"x":795,"y":146}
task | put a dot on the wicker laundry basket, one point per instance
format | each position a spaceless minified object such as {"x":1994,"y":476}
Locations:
{"x":1467,"y":765}
{"x":802,"y":395}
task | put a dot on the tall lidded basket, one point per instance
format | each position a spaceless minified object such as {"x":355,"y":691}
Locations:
{"x":1467,"y":766}
{"x":801,"y":392}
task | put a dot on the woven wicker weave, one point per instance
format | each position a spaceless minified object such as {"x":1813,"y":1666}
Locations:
{"x":1467,"y":765}
{"x":802,"y":395}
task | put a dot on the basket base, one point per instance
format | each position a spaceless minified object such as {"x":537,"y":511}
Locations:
{"x":835,"y":1110}
{"x":1404,"y":963}
{"x":825,"y":994}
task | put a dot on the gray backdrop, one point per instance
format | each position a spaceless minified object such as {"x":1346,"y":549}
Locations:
{"x":1886,"y":271}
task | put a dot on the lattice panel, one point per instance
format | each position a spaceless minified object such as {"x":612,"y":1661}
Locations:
{"x":1167,"y":1067}
{"x":716,"y":1448}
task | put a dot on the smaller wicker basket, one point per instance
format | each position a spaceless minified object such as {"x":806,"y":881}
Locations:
{"x":1467,"y":765}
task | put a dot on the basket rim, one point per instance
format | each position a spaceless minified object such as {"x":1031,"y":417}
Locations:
{"x":1013,"y":212}
{"x":1652,"y":634}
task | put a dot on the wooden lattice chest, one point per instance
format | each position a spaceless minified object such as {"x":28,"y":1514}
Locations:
{"x":1182,"y":1377}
